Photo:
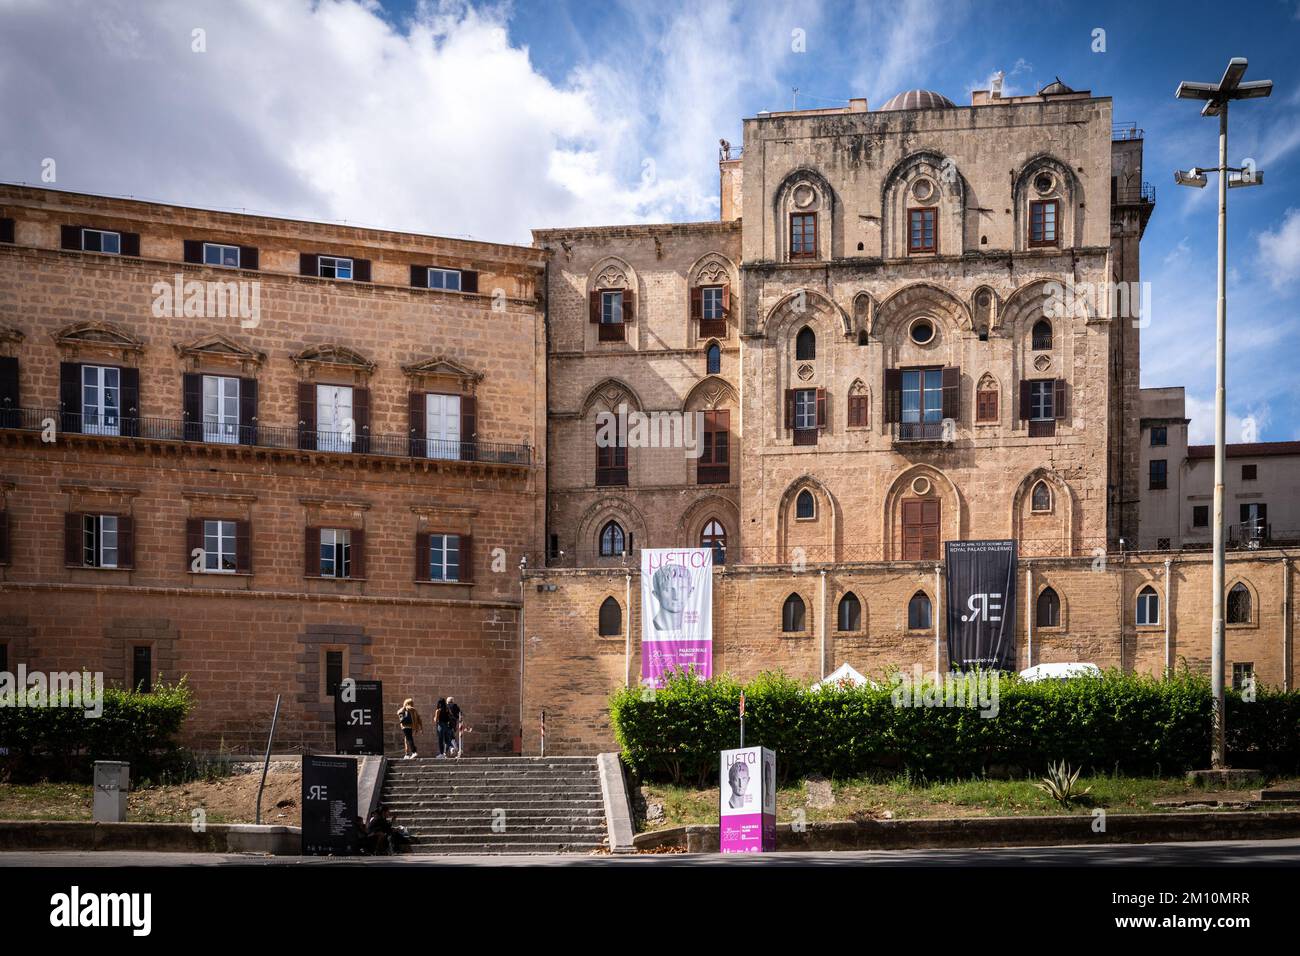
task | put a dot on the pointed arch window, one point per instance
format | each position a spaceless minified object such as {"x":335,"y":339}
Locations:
{"x":805,"y":345}
{"x":850,"y":613}
{"x":792,"y":615}
{"x":1040,"y":499}
{"x":611,"y":618}
{"x":1148,"y":606}
{"x":1042,"y":336}
{"x":1047,"y":611}
{"x":714,"y":537}
{"x":804,"y":505}
{"x":986,"y":400}
{"x":918,"y":612}
{"x":613,"y":540}
{"x":1239,"y":604}
{"x":713,"y":359}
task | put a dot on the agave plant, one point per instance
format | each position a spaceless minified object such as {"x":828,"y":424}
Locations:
{"x":1060,"y":783}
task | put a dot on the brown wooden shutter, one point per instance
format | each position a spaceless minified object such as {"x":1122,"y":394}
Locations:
{"x":823,"y":419}
{"x":893,"y":395}
{"x":789,"y":408}
{"x":468,"y":428}
{"x":466,"y":559}
{"x":1062,"y":407}
{"x":130,"y":245}
{"x":4,"y":537}
{"x":358,"y":554}
{"x":192,"y":405}
{"x":361,"y":419}
{"x":417,"y":423}
{"x":360,"y":270}
{"x":951,"y":379}
{"x":6,"y":230}
{"x":70,"y":396}
{"x":1025,"y":400}
{"x":726,"y":301}
{"x":306,"y":415}
{"x":311,"y":552}
{"x":194,"y":251}
{"x":9,"y":389}
{"x":248,"y":257}
{"x":419,"y":277}
{"x":70,"y":237}
{"x":308,"y":264}
{"x":697,"y":304}
{"x":72,"y":554}
{"x":468,"y":281}
{"x":130,"y":398}
{"x":593,"y":307}
{"x":125,"y":541}
{"x":422,"y":556}
{"x":629,"y":306}
{"x":248,"y":411}
{"x":193,"y":542}
{"x":244,"y":547}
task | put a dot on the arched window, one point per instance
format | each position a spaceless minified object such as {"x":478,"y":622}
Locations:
{"x":986,"y":399}
{"x":611,"y":618}
{"x":612,"y":540}
{"x":850,"y":613}
{"x":714,"y":536}
{"x":918,"y":612}
{"x":1239,"y":604}
{"x":1042,"y":336}
{"x":804,"y":506}
{"x":1048,"y":611}
{"x":1040,"y":499}
{"x":805,"y":345}
{"x":713,"y":359}
{"x":792,"y":614}
{"x":1148,"y":609}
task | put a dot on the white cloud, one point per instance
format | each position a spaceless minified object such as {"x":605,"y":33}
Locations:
{"x":1239,"y":426}
{"x":1279,"y":250}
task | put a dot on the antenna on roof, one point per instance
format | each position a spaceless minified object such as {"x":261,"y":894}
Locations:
{"x":794,"y":102}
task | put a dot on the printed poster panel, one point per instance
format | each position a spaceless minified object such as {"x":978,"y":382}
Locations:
{"x":747,"y":801}
{"x":359,"y":717}
{"x":981,"y":604}
{"x":676,"y":612}
{"x":329,"y":804}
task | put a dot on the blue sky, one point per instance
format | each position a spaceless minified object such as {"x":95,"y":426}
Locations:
{"x":489,"y":119}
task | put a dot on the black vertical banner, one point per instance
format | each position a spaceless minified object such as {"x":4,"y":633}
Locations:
{"x":329,"y":804}
{"x":359,"y":717}
{"x":981,"y":604}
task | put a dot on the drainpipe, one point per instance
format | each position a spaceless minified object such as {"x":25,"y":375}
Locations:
{"x":627,"y":633}
{"x":1169,"y":617}
{"x":1029,"y":615}
{"x":1286,"y":623}
{"x":522,"y":646}
{"x":822,"y":673}
{"x":937,"y":605}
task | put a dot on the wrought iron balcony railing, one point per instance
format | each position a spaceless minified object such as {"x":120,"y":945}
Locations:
{"x":265,"y":436}
{"x":919,"y":431}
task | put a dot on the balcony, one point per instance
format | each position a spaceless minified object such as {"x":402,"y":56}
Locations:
{"x":913,"y":432}
{"x":1250,"y":535}
{"x":1042,"y":428}
{"x":611,"y":475}
{"x":713,"y":474}
{"x":288,"y":437}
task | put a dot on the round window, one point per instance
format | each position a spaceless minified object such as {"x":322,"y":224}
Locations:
{"x":1043,"y":182}
{"x":923,"y":190}
{"x":922,"y":331}
{"x":921,"y":486}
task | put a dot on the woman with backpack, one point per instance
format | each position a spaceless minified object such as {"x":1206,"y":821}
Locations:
{"x":441,"y":716}
{"x":408,"y":718}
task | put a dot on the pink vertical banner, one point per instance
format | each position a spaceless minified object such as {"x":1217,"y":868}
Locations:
{"x":676,"y":612}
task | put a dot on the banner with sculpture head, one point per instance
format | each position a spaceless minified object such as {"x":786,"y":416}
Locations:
{"x":676,"y":612}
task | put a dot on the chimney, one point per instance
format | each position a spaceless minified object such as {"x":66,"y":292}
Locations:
{"x":729,"y":181}
{"x":858,"y":104}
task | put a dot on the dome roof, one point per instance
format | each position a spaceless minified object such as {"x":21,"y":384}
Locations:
{"x":1051,"y":89}
{"x":919,"y":100}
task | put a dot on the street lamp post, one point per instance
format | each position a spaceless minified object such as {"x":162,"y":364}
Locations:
{"x":1217,"y":96}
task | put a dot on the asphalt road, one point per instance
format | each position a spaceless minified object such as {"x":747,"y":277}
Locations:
{"x":1227,"y":853}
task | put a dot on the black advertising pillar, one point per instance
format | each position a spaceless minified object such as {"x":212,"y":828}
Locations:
{"x":359,"y":717}
{"x":329,"y":804}
{"x":981,"y":604}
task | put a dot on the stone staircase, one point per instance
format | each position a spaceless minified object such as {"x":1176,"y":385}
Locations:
{"x":497,"y":804}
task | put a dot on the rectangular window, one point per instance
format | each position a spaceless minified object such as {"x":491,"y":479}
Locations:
{"x":99,"y":541}
{"x":711,"y":303}
{"x":921,"y":230}
{"x":803,"y":235}
{"x":858,"y":411}
{"x":444,"y":557}
{"x":1158,"y":474}
{"x":101,"y":240}
{"x":922,"y":408}
{"x":1243,"y":675}
{"x":714,"y":465}
{"x":1200,"y":516}
{"x":611,"y":460}
{"x":333,"y":672}
{"x":219,"y":547}
{"x":1042,"y":405}
{"x":335,"y":427}
{"x":142,"y":668}
{"x":611,"y":308}
{"x":101,"y":400}
{"x":1249,"y":472}
{"x":986,"y":405}
{"x":1043,"y":215}
{"x":1159,"y":436}
{"x":216,"y":254}
{"x":442,"y":426}
{"x":448,"y":279}
{"x":805,"y":408}
{"x":221,"y":409}
{"x":335,"y":553}
{"x":333,"y":267}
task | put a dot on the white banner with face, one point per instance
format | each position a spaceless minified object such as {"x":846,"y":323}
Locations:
{"x":676,"y":612}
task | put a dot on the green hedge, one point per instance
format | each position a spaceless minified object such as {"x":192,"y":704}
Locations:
{"x":1116,"y":723}
{"x":61,"y":743}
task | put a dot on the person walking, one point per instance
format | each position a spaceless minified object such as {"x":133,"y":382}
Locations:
{"x":408,"y":718}
{"x":440,"y":725}
{"x":453,"y":727}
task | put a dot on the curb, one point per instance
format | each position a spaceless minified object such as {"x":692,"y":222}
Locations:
{"x":165,"y":837}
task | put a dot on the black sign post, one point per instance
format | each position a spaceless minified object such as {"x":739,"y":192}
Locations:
{"x":981,"y":604}
{"x":359,"y":717}
{"x":329,"y":805}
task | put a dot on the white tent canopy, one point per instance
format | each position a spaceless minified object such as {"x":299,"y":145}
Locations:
{"x":1059,"y":671}
{"x":843,"y":672}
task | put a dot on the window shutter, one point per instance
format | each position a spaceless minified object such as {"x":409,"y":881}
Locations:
{"x":130,"y":244}
{"x":243,"y":547}
{"x":70,"y":237}
{"x":697,"y":303}
{"x":419,"y":277}
{"x":311,"y":552}
{"x":952,"y":393}
{"x":125,"y":541}
{"x":248,"y":257}
{"x":72,"y":539}
{"x":629,"y":305}
{"x":130,"y":379}
{"x":1025,"y":400}
{"x":6,"y":230}
{"x":468,"y":427}
{"x":192,"y":405}
{"x":1062,"y":408}
{"x":726,"y":301}
{"x":416,"y":422}
{"x":306,"y":415}
{"x":468,"y":281}
{"x":4,"y":537}
{"x":9,"y":387}
{"x":308,"y":264}
{"x":70,"y":395}
{"x":789,"y":408}
{"x":194,"y":251}
{"x":893,"y":395}
{"x":361,"y":420}
{"x":358,"y":554}
{"x":360,"y":270}
{"x":193,"y":541}
{"x":593,"y":306}
{"x":823,"y":419}
{"x":248,"y":411}
{"x":466,"y":559}
{"x":422,"y":556}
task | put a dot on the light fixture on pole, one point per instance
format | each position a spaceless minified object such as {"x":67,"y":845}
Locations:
{"x":1217,"y":96}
